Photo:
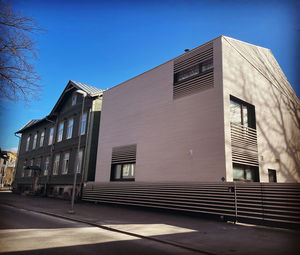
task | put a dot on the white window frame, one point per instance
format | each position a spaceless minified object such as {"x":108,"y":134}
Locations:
{"x":46,"y":166}
{"x":28,"y":142}
{"x":60,"y":131}
{"x":70,"y":128}
{"x":66,"y":162}
{"x":83,"y":121}
{"x":51,"y":135}
{"x":30,"y":171}
{"x":56,"y":164}
{"x":74,"y":99}
{"x":34,"y":141}
{"x":79,"y":159}
{"x":42,"y":138}
{"x":24,"y":165}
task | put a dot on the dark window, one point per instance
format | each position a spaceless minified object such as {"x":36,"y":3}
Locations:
{"x":193,"y":71}
{"x":242,"y":113}
{"x":245,"y":173}
{"x":272,"y":175}
{"x":123,"y":172}
{"x":61,"y":191}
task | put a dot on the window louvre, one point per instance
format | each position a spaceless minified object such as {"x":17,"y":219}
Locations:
{"x":193,"y":72}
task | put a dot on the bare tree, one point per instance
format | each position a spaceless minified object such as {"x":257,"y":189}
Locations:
{"x":18,"y":78}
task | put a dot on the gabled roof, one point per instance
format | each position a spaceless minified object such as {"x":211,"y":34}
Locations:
{"x":264,"y":61}
{"x":29,"y":123}
{"x":91,"y":92}
{"x":72,"y":85}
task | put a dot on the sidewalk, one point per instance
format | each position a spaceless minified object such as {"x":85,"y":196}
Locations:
{"x":193,"y":232}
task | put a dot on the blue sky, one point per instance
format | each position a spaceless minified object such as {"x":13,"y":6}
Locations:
{"x":102,"y":43}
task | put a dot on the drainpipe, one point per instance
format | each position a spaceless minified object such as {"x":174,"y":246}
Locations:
{"x":85,"y":152}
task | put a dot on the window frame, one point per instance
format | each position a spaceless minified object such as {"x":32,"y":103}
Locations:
{"x":246,"y":169}
{"x":42,"y":138}
{"x":51,"y":136}
{"x":243,"y":106}
{"x":74,"y":99}
{"x":56,"y":164}
{"x":60,"y":131}
{"x":272,"y":173}
{"x":46,"y":165}
{"x":34,"y":141}
{"x":122,"y":178}
{"x":78,"y":164}
{"x":66,"y":163}
{"x":82,"y":132}
{"x":28,"y":142}
{"x":70,"y":128}
{"x":198,"y":67}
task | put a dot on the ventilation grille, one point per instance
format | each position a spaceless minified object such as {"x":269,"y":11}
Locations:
{"x":124,"y":154}
{"x":196,"y":83}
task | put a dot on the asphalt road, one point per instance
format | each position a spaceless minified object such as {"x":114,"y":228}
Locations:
{"x":27,"y":232}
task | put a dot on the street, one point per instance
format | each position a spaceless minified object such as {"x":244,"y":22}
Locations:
{"x":26,"y":232}
{"x":41,"y":225}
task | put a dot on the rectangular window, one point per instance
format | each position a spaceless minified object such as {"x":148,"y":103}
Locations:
{"x":193,"y":71}
{"x":245,"y":173}
{"x":51,"y":133}
{"x":47,"y":163}
{"x":74,"y":99}
{"x":30,"y":171}
{"x":272,"y":175}
{"x":242,"y":113}
{"x":206,"y":66}
{"x":70,"y":128}
{"x":123,"y":172}
{"x":65,"y":166}
{"x":60,"y":131}
{"x":28,"y":142}
{"x":38,"y":162}
{"x":187,"y":73}
{"x":24,"y":165}
{"x":83,"y":124}
{"x":56,"y":164}
{"x":34,"y":141}
{"x":42,"y":138}
{"x":123,"y":163}
{"x":79,"y":161}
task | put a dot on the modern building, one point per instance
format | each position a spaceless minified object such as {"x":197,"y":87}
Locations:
{"x":53,"y":148}
{"x":223,"y":111}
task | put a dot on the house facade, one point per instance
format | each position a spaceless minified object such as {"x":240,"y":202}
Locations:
{"x":53,"y":149}
{"x":223,"y":111}
{"x":10,"y":169}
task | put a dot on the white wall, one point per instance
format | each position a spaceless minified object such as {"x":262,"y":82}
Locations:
{"x":252,"y":74}
{"x":177,"y":140}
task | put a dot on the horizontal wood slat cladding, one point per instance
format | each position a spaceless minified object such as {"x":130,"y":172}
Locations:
{"x":265,"y":202}
{"x":199,"y":82}
{"x":194,"y":57}
{"x":244,"y":145}
{"x":124,"y":154}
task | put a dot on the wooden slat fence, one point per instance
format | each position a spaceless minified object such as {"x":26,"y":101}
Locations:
{"x":263,"y":202}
